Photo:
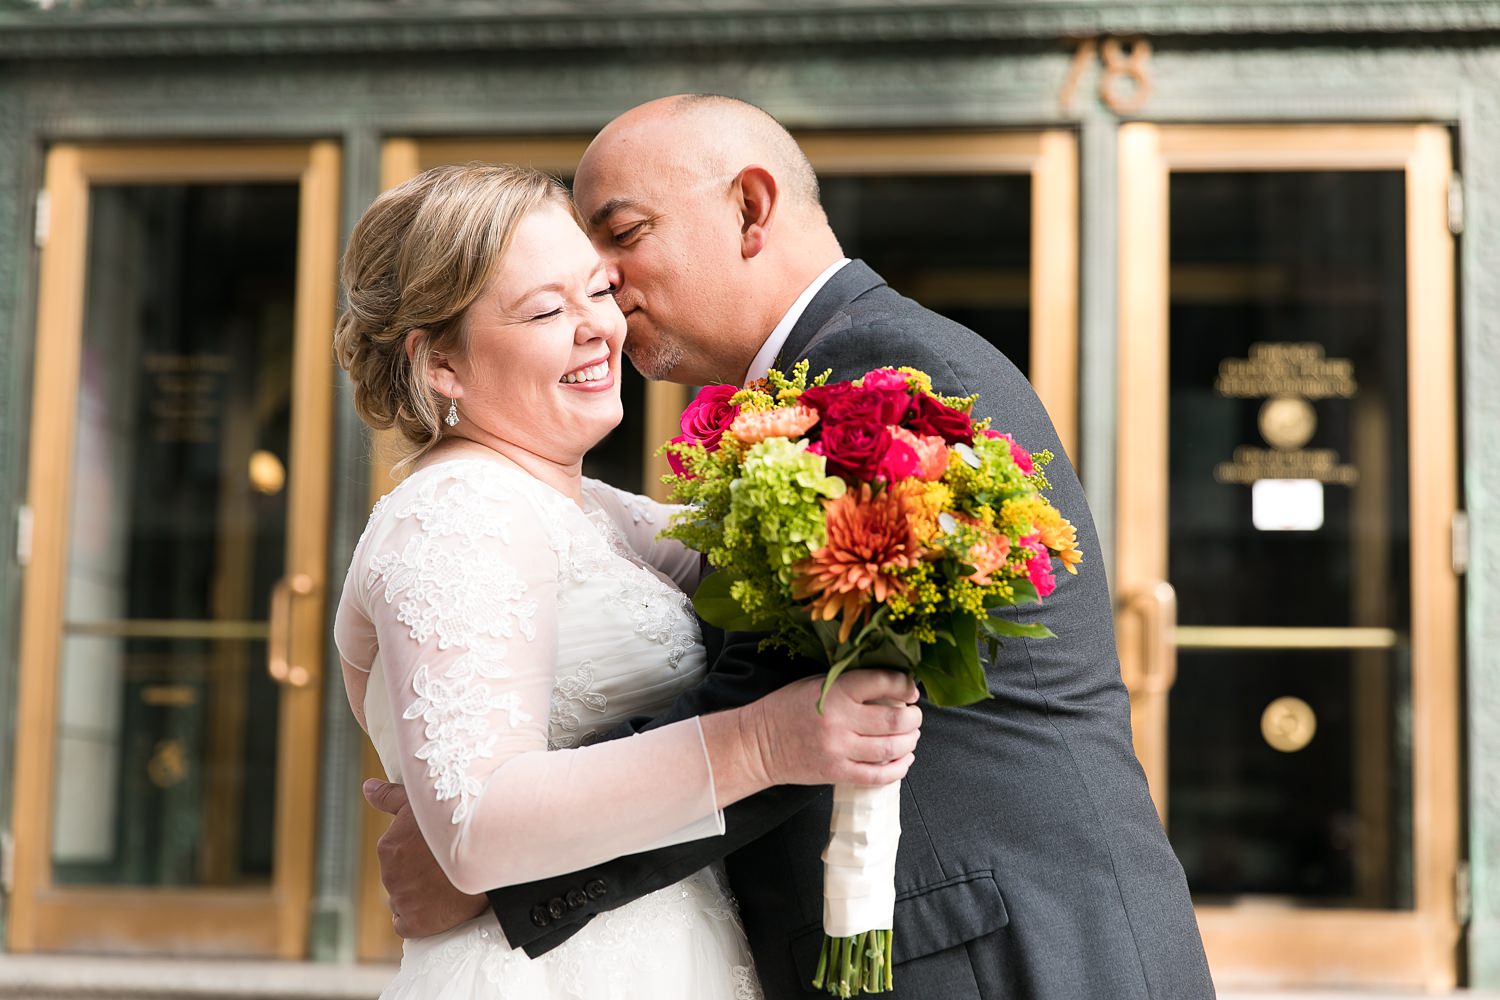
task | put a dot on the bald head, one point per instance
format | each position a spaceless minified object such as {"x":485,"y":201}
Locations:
{"x":709,"y":138}
{"x":707,"y":211}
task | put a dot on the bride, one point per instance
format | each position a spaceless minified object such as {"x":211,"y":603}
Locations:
{"x":499,"y":606}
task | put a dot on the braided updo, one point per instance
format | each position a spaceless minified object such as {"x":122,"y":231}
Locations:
{"x":420,"y":254}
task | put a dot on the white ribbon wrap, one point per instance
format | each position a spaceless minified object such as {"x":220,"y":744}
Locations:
{"x":859,"y":866}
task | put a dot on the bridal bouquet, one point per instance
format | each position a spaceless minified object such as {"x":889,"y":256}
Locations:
{"x":865,"y":523}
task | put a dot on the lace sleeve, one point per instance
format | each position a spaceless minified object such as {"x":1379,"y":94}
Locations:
{"x":461,"y":586}
{"x":639,"y":519}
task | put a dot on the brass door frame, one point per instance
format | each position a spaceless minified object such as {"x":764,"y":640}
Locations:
{"x":271,"y":921}
{"x":1264,"y":944}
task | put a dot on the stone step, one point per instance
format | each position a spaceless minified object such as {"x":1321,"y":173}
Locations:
{"x":55,"y":977}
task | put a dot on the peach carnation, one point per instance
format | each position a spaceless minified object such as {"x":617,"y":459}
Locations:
{"x":869,"y":539}
{"x":988,"y":554}
{"x":789,"y":422}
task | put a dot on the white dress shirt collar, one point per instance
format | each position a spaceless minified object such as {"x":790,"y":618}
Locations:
{"x":766,"y":357}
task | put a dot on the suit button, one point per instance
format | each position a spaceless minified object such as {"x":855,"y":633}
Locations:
{"x":540,"y":916}
{"x":595,"y":888}
{"x":556,"y":907}
{"x":576,"y":899}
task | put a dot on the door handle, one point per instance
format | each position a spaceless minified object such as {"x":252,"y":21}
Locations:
{"x":1156,"y":605}
{"x":279,"y":657}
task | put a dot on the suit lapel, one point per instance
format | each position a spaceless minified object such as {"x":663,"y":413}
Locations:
{"x":847,"y":284}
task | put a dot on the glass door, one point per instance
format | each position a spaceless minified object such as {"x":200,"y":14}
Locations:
{"x":173,"y":622}
{"x":1287,"y":483}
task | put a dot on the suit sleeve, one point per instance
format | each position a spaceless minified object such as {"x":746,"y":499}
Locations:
{"x":740,"y":675}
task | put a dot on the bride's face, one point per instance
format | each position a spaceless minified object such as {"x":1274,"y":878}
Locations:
{"x":543,"y":361}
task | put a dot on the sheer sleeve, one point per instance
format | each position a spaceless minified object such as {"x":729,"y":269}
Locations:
{"x":460,"y":585}
{"x":639,"y":519}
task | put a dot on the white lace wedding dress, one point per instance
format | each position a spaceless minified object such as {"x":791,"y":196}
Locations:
{"x":486,"y":620}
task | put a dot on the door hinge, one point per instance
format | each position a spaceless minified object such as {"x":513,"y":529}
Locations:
{"x":1455,"y":203}
{"x":1463,"y":894}
{"x":43,"y":225}
{"x":1460,"y":535}
{"x":23,"y":535}
{"x":7,"y":862}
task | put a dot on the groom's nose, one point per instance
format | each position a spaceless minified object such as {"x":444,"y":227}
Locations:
{"x":613,"y":274}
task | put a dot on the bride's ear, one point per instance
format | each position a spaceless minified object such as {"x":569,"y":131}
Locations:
{"x":441,"y":378}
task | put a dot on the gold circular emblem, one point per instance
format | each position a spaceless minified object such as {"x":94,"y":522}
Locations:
{"x":1287,"y":422}
{"x":1288,"y":724}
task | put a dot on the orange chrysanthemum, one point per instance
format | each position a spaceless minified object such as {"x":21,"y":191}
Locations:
{"x":751,"y":428}
{"x":869,"y":539}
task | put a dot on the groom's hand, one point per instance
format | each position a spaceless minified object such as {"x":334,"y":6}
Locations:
{"x":423,"y":901}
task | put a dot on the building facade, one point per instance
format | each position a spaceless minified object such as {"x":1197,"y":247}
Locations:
{"x":1244,"y":250}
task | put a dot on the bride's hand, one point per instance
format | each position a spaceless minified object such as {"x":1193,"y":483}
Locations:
{"x":865,"y":735}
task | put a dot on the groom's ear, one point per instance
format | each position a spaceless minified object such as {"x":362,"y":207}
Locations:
{"x":756,"y":192}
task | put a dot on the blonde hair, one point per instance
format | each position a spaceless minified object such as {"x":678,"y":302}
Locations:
{"x":418,"y":257}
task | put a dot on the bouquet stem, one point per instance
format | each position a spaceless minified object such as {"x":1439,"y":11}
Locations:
{"x":859,"y":890}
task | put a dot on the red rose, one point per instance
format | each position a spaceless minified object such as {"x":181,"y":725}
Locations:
{"x":821,"y":397}
{"x":931,"y":417}
{"x":709,"y":415}
{"x":853,"y":447}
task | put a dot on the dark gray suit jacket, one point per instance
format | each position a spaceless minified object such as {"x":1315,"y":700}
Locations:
{"x":1032,"y":863}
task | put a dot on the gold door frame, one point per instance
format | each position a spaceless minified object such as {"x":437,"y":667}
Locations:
{"x":271,"y":921}
{"x":1268,"y":945}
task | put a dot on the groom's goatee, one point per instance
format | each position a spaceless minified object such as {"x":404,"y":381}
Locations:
{"x":657,"y":361}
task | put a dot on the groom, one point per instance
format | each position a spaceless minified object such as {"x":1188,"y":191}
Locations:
{"x":1032,"y":863}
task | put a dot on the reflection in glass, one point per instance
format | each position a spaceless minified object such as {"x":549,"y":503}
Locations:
{"x":959,"y":245}
{"x":1288,"y":370}
{"x":168,"y":724}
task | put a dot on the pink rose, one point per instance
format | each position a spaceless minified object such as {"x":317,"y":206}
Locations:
{"x":900,"y":460}
{"x":709,"y":415}
{"x":932,"y":453}
{"x":1039,"y":566}
{"x":674,"y":460}
{"x":885,"y":378}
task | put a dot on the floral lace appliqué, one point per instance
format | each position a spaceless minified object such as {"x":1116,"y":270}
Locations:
{"x":570,"y":694}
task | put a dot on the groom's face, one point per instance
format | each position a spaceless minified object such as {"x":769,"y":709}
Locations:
{"x":670,"y":242}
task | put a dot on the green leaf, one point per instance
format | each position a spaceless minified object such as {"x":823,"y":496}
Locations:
{"x":998,"y":628}
{"x":951,"y":673}
{"x":715,"y":606}
{"x":1025,"y":592}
